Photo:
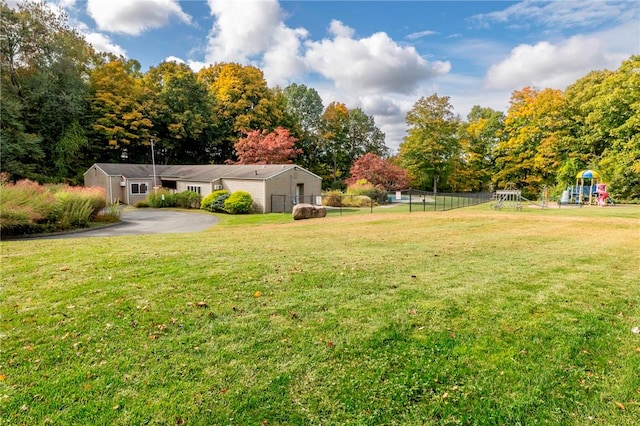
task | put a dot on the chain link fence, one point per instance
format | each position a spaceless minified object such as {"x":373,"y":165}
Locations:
{"x":410,"y":200}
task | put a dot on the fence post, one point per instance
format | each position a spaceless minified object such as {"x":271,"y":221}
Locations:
{"x":409,"y":200}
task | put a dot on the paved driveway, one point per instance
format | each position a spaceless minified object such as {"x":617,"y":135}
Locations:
{"x":149,"y":221}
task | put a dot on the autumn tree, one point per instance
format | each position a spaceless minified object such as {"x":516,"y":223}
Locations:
{"x":531,"y":150}
{"x":379,"y":172}
{"x":620,"y":104}
{"x":120,"y":119}
{"x":431,"y":145}
{"x":261,"y":147}
{"x":242,"y":102}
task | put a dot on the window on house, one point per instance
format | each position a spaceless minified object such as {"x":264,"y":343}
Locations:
{"x":195,"y":189}
{"x":139,"y":188}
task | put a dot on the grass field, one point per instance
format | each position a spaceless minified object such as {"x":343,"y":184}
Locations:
{"x":470,"y":316}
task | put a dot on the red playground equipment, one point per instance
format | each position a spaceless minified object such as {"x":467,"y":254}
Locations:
{"x":588,"y":190}
{"x":601,"y":194}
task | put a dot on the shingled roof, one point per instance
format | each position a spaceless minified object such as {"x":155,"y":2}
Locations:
{"x":195,"y":173}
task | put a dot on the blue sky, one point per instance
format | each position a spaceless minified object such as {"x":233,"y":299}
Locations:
{"x":381,"y":56}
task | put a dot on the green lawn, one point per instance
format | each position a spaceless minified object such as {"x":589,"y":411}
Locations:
{"x":470,"y":316}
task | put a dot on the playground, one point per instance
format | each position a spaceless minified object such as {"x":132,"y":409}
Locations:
{"x":588,"y":190}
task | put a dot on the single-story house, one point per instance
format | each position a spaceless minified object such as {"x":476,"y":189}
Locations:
{"x":285,"y":184}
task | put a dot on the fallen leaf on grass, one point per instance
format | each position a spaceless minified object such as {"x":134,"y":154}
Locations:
{"x":635,"y":330}
{"x":445,"y":395}
{"x":202,"y":305}
{"x":258,"y":293}
{"x":330,"y":344}
{"x":64,"y":268}
{"x":620,"y":405}
{"x":3,"y":377}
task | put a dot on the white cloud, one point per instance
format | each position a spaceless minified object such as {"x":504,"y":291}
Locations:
{"x":559,"y":13}
{"x":374,"y":64}
{"x":103,"y":43}
{"x":194,"y":65}
{"x":338,"y":29}
{"x":134,"y":17}
{"x":550,"y":65}
{"x":420,"y":34}
{"x":242,"y":29}
{"x":254,"y":32}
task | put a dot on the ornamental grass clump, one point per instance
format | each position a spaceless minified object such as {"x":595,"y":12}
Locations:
{"x":25,"y":207}
{"x":74,"y":210}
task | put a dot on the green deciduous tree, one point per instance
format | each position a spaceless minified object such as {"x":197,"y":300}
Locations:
{"x":305,"y":106}
{"x":181,"y":114}
{"x":44,"y":72}
{"x":432,"y":145}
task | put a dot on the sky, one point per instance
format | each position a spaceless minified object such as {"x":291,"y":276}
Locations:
{"x":381,"y":56}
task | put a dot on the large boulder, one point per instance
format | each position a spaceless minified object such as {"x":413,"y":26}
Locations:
{"x":308,"y":211}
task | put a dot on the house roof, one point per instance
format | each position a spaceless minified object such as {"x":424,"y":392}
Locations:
{"x":197,"y":173}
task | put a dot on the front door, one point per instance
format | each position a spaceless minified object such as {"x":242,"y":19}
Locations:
{"x":299,"y":193}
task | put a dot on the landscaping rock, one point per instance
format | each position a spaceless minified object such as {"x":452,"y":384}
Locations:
{"x":308,"y":211}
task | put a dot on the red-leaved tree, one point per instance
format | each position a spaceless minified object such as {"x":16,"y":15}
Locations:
{"x":260,"y":147}
{"x":379,"y":172}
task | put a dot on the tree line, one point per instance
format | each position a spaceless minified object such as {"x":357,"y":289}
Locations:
{"x":544,"y":140}
{"x":65,"y":106}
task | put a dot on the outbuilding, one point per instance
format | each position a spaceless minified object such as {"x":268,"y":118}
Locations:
{"x":273,"y":187}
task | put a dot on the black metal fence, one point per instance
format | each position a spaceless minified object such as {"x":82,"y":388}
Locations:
{"x":428,"y":201}
{"x":410,"y":200}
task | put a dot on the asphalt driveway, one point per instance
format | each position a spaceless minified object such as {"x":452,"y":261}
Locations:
{"x":148,"y":221}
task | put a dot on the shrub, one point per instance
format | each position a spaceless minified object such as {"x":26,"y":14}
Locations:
{"x":363,"y":187}
{"x":141,"y":204}
{"x":240,"y":202}
{"x":356,"y":201}
{"x":214,"y":202}
{"x":332,"y":199}
{"x":161,"y":198}
{"x":188,"y":200}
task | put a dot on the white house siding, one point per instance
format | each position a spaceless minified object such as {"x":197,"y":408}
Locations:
{"x":255,"y":187}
